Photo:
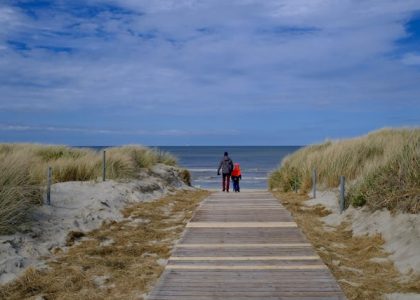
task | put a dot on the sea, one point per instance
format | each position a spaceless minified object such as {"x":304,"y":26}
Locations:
{"x":256,"y":162}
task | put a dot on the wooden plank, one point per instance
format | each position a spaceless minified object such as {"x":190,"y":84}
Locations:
{"x":245,"y":263}
{"x":244,"y":258}
{"x":242,"y":235}
{"x":240,"y":224}
{"x":242,"y":245}
{"x":261,"y":267}
{"x":242,"y":251}
{"x":241,"y":208}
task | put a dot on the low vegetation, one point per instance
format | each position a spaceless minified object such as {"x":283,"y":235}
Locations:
{"x":23,"y":170}
{"x":358,"y":263}
{"x":120,"y":260}
{"x":381,"y":168}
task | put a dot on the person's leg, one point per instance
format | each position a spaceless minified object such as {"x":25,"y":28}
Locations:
{"x":223,"y":182}
{"x":239,"y":188}
{"x":227,"y":182}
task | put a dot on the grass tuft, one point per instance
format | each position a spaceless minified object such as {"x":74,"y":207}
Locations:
{"x":17,"y":192}
{"x":185,"y":176}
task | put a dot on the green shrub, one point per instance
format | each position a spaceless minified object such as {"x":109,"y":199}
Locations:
{"x":358,"y":200}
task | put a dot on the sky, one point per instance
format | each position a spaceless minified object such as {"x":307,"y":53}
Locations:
{"x":215,"y":72}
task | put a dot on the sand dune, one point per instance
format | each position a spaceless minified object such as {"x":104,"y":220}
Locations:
{"x":78,"y":207}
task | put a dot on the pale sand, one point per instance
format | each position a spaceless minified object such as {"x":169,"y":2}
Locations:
{"x":78,"y":206}
{"x":400,"y":231}
{"x":397,"y":296}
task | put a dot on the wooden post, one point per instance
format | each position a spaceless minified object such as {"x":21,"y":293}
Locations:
{"x":104,"y":166}
{"x":342,"y":192}
{"x":49,"y":176}
{"x":314,"y":183}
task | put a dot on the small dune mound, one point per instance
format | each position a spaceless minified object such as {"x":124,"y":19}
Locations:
{"x":381,"y":168}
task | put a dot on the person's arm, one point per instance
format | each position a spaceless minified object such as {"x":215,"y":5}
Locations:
{"x":220,"y":166}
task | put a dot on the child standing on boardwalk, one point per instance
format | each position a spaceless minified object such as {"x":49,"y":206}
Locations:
{"x":236,"y":176}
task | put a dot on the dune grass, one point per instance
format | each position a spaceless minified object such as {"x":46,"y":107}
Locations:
{"x":127,"y":255}
{"x":381,"y":169}
{"x":23,"y":169}
{"x":17,"y":192}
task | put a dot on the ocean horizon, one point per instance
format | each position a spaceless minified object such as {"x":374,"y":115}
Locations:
{"x":257,"y":162}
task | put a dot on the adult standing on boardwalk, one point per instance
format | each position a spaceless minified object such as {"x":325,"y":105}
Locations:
{"x":226,"y":165}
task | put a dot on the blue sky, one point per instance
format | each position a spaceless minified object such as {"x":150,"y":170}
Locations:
{"x":193,"y":72}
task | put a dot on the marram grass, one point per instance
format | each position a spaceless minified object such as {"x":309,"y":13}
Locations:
{"x":382,"y":169}
{"x":23,"y":170}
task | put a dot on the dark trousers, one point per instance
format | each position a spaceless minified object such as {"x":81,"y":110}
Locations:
{"x":226,"y":181}
{"x":235,"y":182}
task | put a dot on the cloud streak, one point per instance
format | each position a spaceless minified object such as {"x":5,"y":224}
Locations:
{"x":89,"y":130}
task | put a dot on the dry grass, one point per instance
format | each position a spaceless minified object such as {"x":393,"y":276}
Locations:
{"x":126,"y":252}
{"x":75,"y":164}
{"x":23,"y":169}
{"x":347,"y":256}
{"x":382,"y":169}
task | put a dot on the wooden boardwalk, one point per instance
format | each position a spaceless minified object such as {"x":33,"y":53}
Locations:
{"x":244,"y":246}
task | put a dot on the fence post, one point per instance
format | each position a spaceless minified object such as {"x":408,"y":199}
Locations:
{"x":49,"y":175}
{"x":159,"y":154}
{"x":314,"y":183}
{"x":342,"y":192}
{"x":104,"y":166}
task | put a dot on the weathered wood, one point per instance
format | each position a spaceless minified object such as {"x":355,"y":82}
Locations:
{"x":246,"y":258}
{"x":240,"y":224}
{"x":342,"y":193}
{"x":49,"y":179}
{"x":244,"y":246}
{"x":241,"y":245}
{"x":237,"y":267}
{"x":104,"y":165}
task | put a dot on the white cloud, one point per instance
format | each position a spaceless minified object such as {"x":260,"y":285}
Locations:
{"x":411,"y":59}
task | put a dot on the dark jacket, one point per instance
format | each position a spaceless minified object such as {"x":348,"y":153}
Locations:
{"x":226,"y":165}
